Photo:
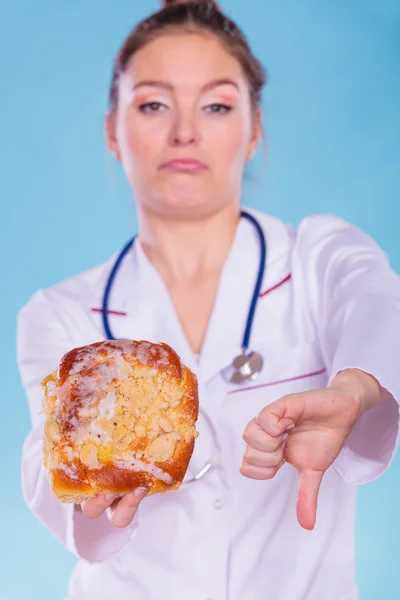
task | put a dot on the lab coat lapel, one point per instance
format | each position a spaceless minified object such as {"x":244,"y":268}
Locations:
{"x":151,"y":315}
{"x":227,"y":325}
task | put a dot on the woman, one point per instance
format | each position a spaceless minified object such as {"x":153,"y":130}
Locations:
{"x":322,"y":415}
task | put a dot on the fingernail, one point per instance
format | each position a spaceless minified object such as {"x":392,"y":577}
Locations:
{"x":289,"y":427}
{"x":285,"y":436}
{"x":110,"y":496}
{"x":141,"y":491}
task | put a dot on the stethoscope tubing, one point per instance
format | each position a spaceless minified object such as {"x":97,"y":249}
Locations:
{"x":254,"y":299}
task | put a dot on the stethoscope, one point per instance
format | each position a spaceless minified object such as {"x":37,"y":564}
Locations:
{"x":247,"y":365}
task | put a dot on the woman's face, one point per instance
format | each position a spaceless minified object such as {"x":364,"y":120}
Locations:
{"x":184,"y":126}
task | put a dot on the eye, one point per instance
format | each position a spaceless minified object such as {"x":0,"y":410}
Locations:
{"x":222,"y":109}
{"x":151,"y":107}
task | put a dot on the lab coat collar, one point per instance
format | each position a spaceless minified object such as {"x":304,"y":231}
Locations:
{"x":152,"y":315}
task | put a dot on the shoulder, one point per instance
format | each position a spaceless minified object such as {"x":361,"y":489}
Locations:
{"x":318,"y":238}
{"x":314,"y":228}
{"x":328,"y":238}
{"x":72,"y":290}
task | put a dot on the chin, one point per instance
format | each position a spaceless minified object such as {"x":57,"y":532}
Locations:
{"x":186,"y":204}
{"x":186,"y":209}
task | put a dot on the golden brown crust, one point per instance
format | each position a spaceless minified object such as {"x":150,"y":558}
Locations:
{"x":119,"y":415}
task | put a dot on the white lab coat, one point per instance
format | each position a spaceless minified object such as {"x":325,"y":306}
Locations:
{"x":330,"y":301}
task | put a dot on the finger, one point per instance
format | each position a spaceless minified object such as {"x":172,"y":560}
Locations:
{"x":257,"y":458}
{"x":121,"y":515}
{"x":253,"y":472}
{"x":309,"y":484}
{"x":258,"y":438}
{"x":273,"y":423}
{"x":95,"y":507}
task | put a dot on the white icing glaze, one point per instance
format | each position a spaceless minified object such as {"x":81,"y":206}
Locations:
{"x":69,"y":470}
{"x":87,"y":412}
{"x":94,"y":431}
{"x":132,"y":463}
{"x":146,"y":353}
{"x":108,"y":405}
{"x":51,"y":388}
{"x":91,"y":431}
{"x":82,"y":360}
{"x":69,"y":453}
{"x":95,"y":389}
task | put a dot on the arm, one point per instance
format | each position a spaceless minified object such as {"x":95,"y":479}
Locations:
{"x":355,"y":308}
{"x":42,"y":339}
{"x":352,"y":299}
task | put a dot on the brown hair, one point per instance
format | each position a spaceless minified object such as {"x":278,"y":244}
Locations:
{"x":190,"y":15}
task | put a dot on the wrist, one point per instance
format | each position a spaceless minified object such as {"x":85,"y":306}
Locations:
{"x":365,"y":389}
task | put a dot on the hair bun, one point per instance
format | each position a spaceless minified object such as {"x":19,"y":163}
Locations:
{"x":167,"y":3}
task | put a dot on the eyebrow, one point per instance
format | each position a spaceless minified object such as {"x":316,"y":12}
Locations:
{"x":168,"y":86}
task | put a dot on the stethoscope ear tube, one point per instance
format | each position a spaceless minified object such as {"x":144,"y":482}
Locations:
{"x":108,"y":288}
{"x":247,"y":365}
{"x":260,"y":276}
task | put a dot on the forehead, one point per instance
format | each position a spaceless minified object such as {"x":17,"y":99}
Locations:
{"x":184,"y":60}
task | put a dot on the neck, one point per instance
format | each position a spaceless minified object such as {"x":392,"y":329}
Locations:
{"x":184,"y":251}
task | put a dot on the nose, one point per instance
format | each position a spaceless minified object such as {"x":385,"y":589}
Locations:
{"x":184,"y":131}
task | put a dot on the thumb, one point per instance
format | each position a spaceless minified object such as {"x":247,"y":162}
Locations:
{"x":309,"y":484}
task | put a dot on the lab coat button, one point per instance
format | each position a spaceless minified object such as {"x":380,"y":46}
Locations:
{"x":218,"y":503}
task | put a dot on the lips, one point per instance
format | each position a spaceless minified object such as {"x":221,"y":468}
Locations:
{"x":185,"y":165}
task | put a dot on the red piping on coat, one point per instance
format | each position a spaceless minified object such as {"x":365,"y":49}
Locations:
{"x":263,"y":385}
{"x":119,"y":313}
{"x":124,"y":314}
{"x":277,"y":285}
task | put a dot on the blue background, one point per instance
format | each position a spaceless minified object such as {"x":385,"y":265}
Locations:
{"x":333,"y":129}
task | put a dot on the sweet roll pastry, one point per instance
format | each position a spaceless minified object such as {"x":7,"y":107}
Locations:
{"x":119,"y":415}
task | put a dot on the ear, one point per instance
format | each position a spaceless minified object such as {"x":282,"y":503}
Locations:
{"x":255,"y":134}
{"x":110,"y":132}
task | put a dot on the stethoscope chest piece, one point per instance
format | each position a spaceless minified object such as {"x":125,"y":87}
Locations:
{"x":245,"y":367}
